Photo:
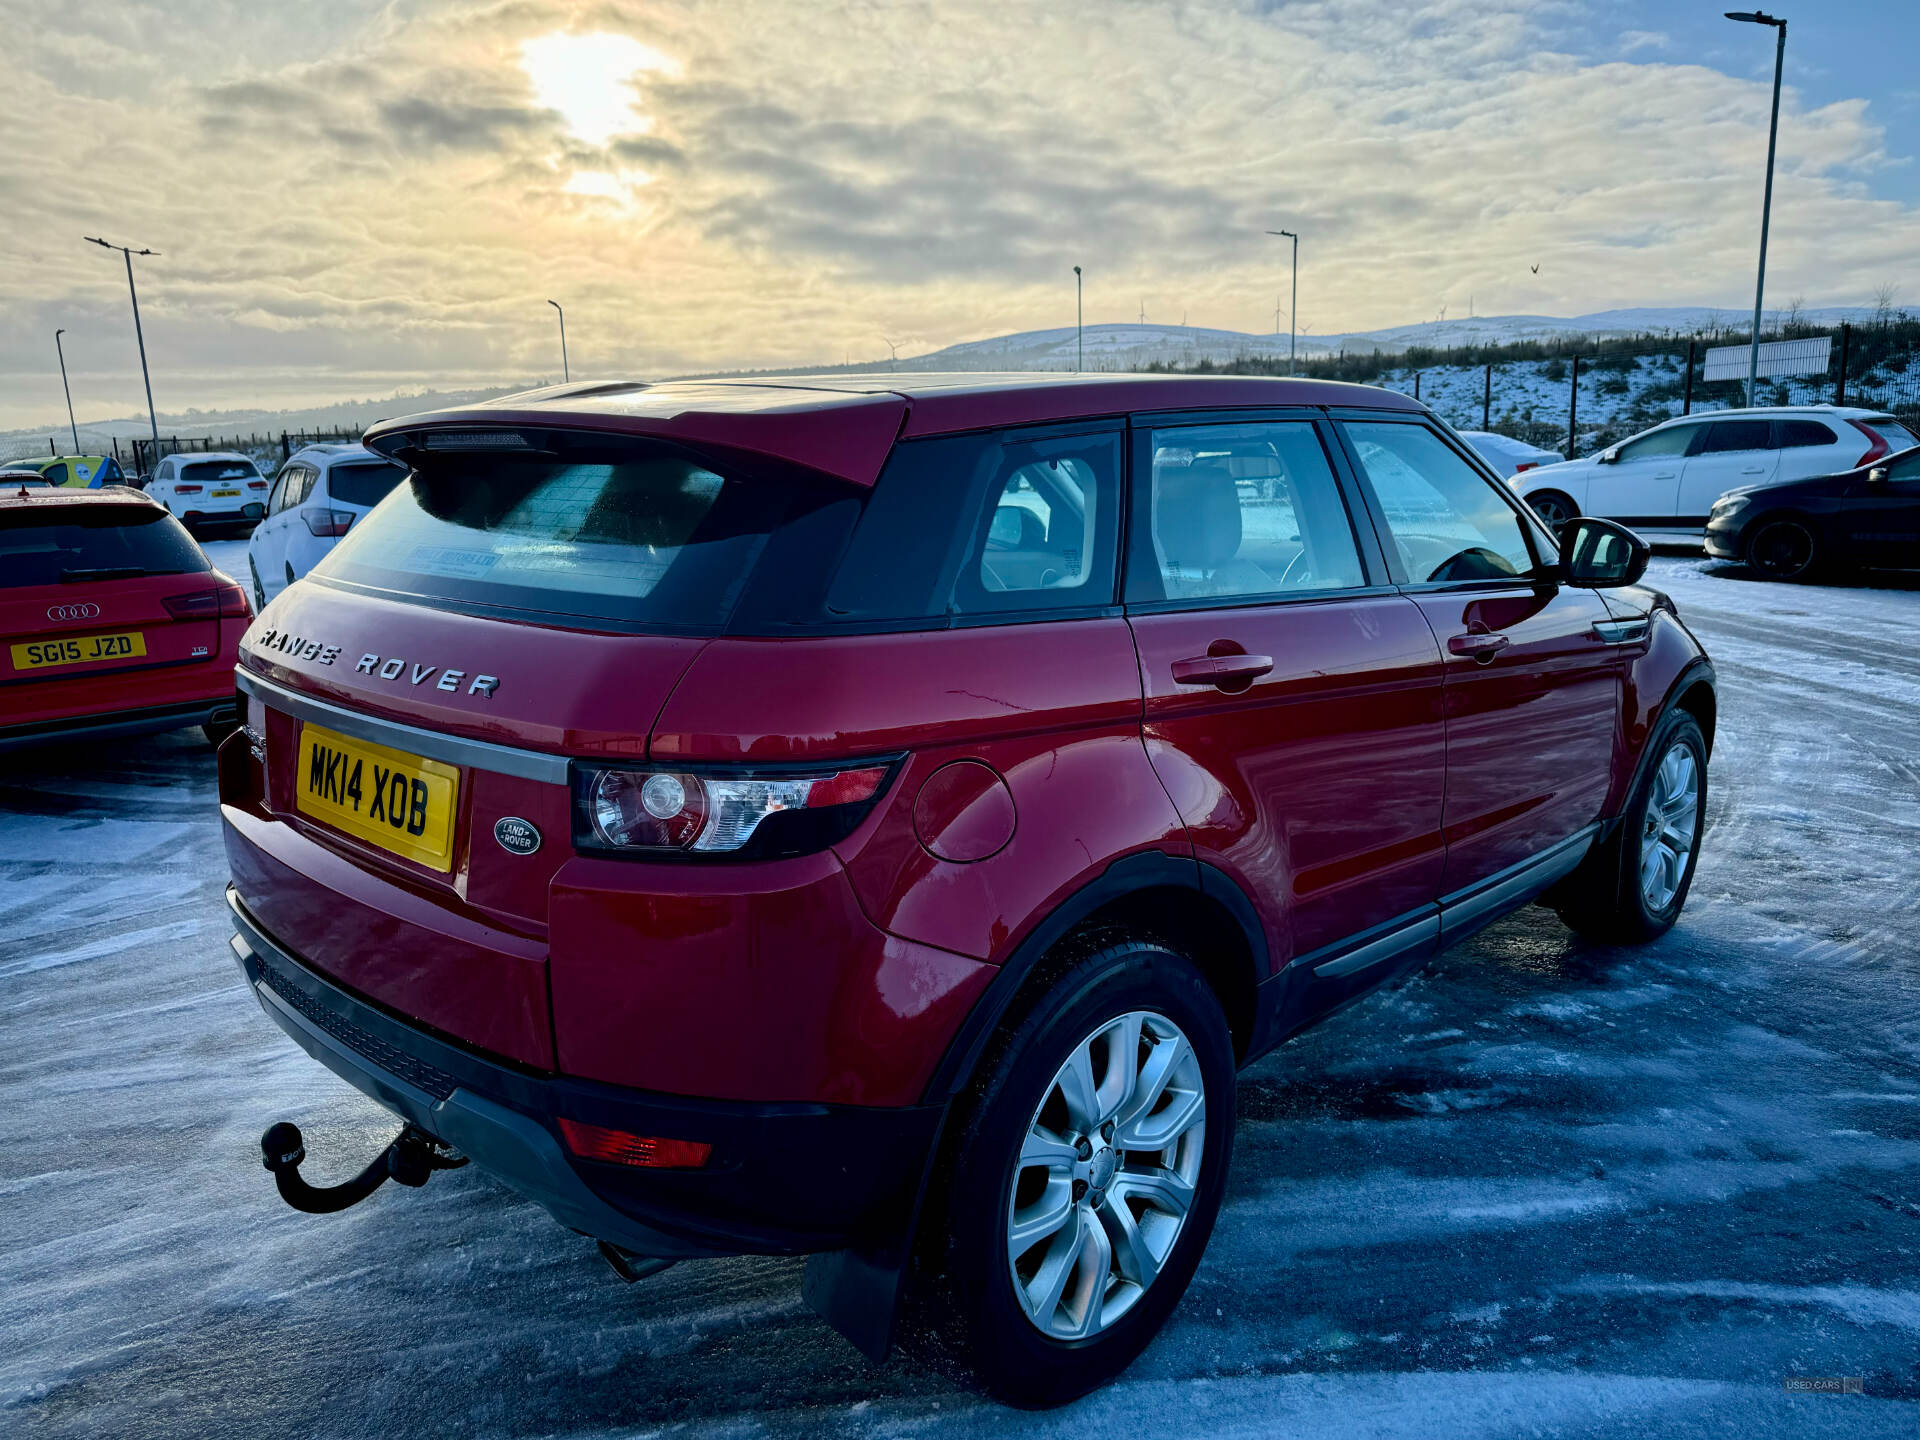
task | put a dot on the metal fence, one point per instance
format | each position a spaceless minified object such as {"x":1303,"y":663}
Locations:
{"x":1579,"y":403}
{"x":139,"y":456}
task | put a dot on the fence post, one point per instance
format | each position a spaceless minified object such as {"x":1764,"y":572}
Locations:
{"x":50,"y":449}
{"x":1486,"y":402}
{"x":1416,"y":384}
{"x":1573,"y":412}
{"x":1840,"y":385}
{"x":286,"y":450}
{"x":1686,"y":403}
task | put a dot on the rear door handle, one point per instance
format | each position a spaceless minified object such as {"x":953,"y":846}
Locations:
{"x":1479,"y":647}
{"x":1220,"y":669}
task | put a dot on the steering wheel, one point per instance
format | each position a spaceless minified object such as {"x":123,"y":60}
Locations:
{"x":1476,"y":562}
{"x":1297,"y":573}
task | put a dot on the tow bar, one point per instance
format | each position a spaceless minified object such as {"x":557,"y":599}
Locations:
{"x":410,"y":1160}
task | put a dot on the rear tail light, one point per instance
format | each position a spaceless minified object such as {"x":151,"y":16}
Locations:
{"x":186,"y":489}
{"x":229,"y":601}
{"x":743,"y":813}
{"x":1526,"y":465}
{"x":1876,"y":450}
{"x":327,"y":522}
{"x":621,"y":1147}
{"x":256,"y":484}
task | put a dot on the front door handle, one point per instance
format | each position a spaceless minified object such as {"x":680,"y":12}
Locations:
{"x":1754,"y":470}
{"x":1221,"y":669}
{"x":1478,"y":646}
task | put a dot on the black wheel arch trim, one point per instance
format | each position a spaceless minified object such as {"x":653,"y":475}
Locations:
{"x":1144,"y":870}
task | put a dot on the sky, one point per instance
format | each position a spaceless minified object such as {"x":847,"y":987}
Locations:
{"x":364,"y":196}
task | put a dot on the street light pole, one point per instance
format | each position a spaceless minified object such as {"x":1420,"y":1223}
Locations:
{"x":1759,"y":17}
{"x":1293,"y":317}
{"x":61,"y":351}
{"x":153,"y":420}
{"x":566,"y":374}
{"x":1079,"y":324}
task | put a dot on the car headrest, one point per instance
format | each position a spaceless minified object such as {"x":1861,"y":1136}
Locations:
{"x":1197,"y":514}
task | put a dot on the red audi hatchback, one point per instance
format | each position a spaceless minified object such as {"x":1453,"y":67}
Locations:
{"x":876,"y":819}
{"x":113,"y":621}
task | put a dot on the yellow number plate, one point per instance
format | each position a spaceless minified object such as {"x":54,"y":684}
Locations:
{"x":224,"y":494}
{"x":79,"y":650}
{"x":400,"y":802}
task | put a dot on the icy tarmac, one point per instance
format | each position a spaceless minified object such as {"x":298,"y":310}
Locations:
{"x":1545,"y":1188}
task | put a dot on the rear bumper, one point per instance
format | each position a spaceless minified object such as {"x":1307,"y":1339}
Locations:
{"x":148,"y":721}
{"x":782,"y":1179}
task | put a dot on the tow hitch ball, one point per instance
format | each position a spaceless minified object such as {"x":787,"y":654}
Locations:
{"x":410,"y":1160}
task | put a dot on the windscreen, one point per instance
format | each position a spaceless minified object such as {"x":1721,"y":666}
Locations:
{"x":76,"y":543}
{"x":646,"y":535}
{"x":363,"y":484}
{"x":206,"y":472}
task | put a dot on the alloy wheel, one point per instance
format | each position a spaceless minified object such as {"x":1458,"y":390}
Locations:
{"x":1670,"y":827}
{"x":1782,"y":550}
{"x":1553,"y":512}
{"x":1108,"y":1171}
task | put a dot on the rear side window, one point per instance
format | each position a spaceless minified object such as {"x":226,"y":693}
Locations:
{"x":94,"y":542}
{"x":363,"y":484}
{"x":1725,"y":435}
{"x":647,"y":534}
{"x":1794,"y":434}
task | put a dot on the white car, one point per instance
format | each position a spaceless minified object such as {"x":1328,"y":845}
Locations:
{"x":318,"y":494}
{"x":1507,"y":455}
{"x":222,"y":487}
{"x":1663,"y":481}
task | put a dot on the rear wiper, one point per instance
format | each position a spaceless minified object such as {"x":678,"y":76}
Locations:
{"x":106,"y":572}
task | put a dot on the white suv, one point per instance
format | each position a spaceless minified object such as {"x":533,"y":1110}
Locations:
{"x":221,"y":487}
{"x":1663,"y":481}
{"x":318,"y":494}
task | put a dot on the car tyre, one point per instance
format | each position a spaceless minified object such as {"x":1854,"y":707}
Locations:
{"x":1042,"y":1316}
{"x":1633,"y":888}
{"x":1553,"y":508}
{"x":1784,"y":549}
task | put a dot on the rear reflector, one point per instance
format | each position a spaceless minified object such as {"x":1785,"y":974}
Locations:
{"x":186,"y":489}
{"x":620,"y":1147}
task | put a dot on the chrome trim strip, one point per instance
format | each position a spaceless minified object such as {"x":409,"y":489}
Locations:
{"x":455,"y":750}
{"x":1376,"y":952}
{"x":1530,"y":876}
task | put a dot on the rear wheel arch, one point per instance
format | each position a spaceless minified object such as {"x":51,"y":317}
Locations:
{"x":1189,"y":907}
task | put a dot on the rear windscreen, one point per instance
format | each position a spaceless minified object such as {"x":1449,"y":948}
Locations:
{"x":94,"y":542}
{"x":366,"y":484}
{"x":206,"y":472}
{"x":1897,"y":435}
{"x":646,"y":535}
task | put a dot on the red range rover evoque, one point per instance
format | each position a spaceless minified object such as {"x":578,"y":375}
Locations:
{"x":877,"y":819}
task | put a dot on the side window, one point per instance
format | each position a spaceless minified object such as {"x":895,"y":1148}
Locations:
{"x":1673,"y":440}
{"x":1792,"y":434}
{"x":1726,"y":435}
{"x":1447,"y":522}
{"x":1047,"y":532}
{"x":56,"y":474}
{"x":1907,"y":470}
{"x":1243,"y":511}
{"x":284,"y":485}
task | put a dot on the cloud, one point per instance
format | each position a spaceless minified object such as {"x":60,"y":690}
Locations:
{"x":1634,"y":41}
{"x":374,"y":190}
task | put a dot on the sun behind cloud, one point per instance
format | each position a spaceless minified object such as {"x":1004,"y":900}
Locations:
{"x":589,"y":80}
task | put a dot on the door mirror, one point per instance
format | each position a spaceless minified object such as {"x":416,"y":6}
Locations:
{"x":1609,"y":456}
{"x":1600,"y":555}
{"x":1878,"y":475}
